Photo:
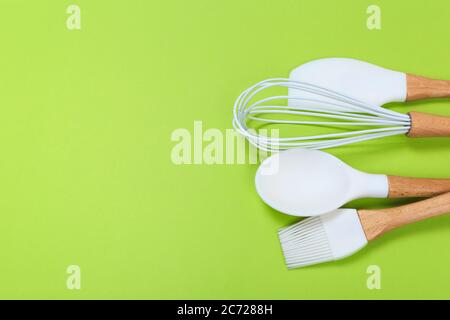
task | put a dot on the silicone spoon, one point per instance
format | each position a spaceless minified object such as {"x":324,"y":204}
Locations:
{"x":304,"y":182}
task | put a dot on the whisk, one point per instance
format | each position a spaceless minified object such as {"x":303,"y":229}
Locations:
{"x":342,"y":111}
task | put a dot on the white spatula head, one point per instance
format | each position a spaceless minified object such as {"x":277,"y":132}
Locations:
{"x":312,"y":182}
{"x":360,"y":80}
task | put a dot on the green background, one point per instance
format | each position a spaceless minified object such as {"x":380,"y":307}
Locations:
{"x":86,"y":175}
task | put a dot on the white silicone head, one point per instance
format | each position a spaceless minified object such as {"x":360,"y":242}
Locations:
{"x":360,"y":80}
{"x":329,"y":237}
{"x":312,"y":182}
{"x":344,"y":232}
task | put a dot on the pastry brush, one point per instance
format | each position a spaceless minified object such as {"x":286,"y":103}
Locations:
{"x":343,"y":232}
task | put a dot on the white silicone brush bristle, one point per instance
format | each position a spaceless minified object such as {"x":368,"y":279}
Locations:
{"x":332,"y":236}
{"x":305,"y":243}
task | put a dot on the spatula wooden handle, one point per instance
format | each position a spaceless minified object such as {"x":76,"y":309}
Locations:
{"x":428,"y":125}
{"x":378,"y":222}
{"x":404,"y":187}
{"x":424,"y":88}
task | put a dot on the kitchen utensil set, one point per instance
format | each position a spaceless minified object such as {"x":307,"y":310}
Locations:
{"x":345,"y":94}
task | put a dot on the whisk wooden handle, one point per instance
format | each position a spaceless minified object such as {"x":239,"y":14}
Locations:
{"x":404,"y":187}
{"x":377,"y":222}
{"x":428,"y":125}
{"x":423,"y":88}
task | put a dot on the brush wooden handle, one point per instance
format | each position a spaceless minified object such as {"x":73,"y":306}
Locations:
{"x":404,"y":187}
{"x":428,"y":125}
{"x":377,"y":222}
{"x":423,"y":88}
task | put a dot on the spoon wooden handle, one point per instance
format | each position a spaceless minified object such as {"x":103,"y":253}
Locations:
{"x":423,"y":88}
{"x":404,"y":187}
{"x":377,"y":222}
{"x":428,"y":125}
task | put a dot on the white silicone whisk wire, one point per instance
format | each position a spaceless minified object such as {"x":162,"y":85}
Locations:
{"x":344,"y":111}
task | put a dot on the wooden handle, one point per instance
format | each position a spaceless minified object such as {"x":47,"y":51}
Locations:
{"x":377,"y":222}
{"x":428,"y":125}
{"x":403,"y":187}
{"x":423,"y":88}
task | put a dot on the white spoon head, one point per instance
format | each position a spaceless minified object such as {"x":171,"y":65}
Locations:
{"x":360,"y":80}
{"x":305,"y":183}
